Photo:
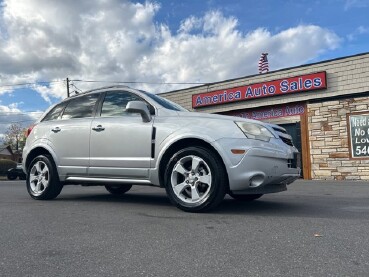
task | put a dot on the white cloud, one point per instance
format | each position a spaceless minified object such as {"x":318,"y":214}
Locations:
{"x":13,"y":114}
{"x":350,"y":4}
{"x":5,"y":90}
{"x":119,"y":40}
{"x":15,"y":105}
{"x":57,"y":89}
{"x":361,"y":30}
{"x":190,"y":24}
{"x":220,"y":51}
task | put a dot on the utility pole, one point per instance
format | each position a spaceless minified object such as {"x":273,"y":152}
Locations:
{"x":68,"y":87}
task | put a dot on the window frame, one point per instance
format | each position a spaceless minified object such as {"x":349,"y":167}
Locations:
{"x":63,"y":104}
{"x":94,"y":110}
{"x":102,"y":98}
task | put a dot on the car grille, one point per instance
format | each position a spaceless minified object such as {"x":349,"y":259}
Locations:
{"x":295,"y":162}
{"x":281,"y":132}
{"x":287,"y":141}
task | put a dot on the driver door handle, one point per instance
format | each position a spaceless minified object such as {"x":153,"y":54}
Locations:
{"x":56,"y":129}
{"x":98,"y":128}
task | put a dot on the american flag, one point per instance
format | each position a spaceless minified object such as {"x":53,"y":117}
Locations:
{"x":263,"y":63}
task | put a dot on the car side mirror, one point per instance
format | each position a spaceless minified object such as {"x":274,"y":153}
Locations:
{"x":139,"y":107}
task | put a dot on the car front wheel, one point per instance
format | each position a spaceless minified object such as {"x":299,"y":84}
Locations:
{"x":42,"y":179}
{"x":195,"y":179}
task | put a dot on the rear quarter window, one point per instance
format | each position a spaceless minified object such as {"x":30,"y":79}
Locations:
{"x":54,"y":113}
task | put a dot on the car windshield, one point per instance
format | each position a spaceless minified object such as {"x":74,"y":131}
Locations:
{"x":165,"y":102}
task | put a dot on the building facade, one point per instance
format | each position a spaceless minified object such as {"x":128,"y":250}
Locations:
{"x":6,"y":153}
{"x":324,"y":106}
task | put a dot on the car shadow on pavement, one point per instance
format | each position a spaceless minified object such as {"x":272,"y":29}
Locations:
{"x":286,"y":206}
{"x":260,"y":207}
{"x":228,"y":206}
{"x":131,"y":198}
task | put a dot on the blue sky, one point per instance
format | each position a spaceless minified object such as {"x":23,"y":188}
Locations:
{"x":161,"y":42}
{"x":349,"y":19}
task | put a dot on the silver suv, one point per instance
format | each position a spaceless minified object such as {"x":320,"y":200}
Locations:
{"x":118,"y":137}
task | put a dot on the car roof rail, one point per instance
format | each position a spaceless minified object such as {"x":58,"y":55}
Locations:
{"x":97,"y":89}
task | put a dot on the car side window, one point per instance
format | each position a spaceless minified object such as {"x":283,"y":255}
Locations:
{"x":80,"y":107}
{"x":54,"y":113}
{"x":115,"y":103}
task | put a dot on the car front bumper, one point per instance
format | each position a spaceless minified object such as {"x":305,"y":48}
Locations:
{"x":265,"y":167}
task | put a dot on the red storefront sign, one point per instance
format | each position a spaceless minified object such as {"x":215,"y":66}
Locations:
{"x":270,"y":112}
{"x":314,"y":81}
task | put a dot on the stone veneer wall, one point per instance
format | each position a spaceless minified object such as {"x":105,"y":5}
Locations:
{"x":329,"y":141}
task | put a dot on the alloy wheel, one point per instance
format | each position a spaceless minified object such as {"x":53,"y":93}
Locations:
{"x":39,"y":178}
{"x":191,"y":179}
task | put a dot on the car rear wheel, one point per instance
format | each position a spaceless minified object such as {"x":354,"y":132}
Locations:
{"x":118,"y":189}
{"x":195,"y":179}
{"x":245,"y":197}
{"x":42,"y":179}
{"x":11,"y":176}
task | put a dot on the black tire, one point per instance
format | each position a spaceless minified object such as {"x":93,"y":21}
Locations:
{"x":11,"y":176}
{"x":47,"y":186}
{"x":193,"y":195}
{"x":245,"y":197}
{"x":118,"y":189}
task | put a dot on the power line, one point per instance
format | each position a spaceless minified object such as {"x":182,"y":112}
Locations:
{"x":138,"y":82}
{"x":20,"y":113}
{"x":30,"y":83}
{"x":77,"y":90}
{"x":100,"y":81}
{"x":13,"y":122}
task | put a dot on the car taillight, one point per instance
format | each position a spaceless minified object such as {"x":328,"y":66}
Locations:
{"x":29,"y":130}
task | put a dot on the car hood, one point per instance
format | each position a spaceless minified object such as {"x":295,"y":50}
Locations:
{"x":218,"y":117}
{"x":277,"y":130}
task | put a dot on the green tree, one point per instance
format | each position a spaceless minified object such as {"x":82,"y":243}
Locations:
{"x":15,"y":137}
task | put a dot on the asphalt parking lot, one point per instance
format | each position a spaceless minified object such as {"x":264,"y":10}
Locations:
{"x":313,"y":229}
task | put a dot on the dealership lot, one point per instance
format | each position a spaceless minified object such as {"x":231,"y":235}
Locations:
{"x":313,"y":229}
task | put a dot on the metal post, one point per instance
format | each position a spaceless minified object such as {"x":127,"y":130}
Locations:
{"x":68,"y":87}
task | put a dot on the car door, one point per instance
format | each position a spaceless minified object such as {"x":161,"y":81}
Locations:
{"x":69,"y":135}
{"x":120,"y":142}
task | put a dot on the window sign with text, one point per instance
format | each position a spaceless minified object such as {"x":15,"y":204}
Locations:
{"x":359,"y":135}
{"x":278,"y":111}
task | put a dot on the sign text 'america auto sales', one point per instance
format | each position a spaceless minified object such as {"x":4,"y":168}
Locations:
{"x":295,"y":84}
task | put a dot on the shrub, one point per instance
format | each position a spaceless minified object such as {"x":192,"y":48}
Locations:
{"x":5,"y":165}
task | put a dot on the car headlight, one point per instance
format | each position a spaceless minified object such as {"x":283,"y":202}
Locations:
{"x":255,"y":131}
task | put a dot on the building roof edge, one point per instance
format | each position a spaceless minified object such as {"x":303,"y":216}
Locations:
{"x":270,"y":72}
